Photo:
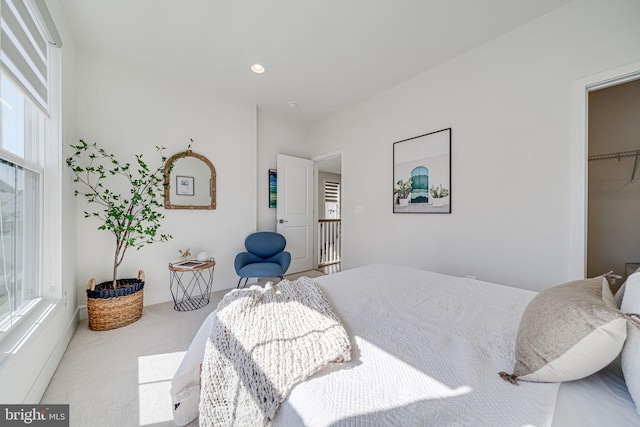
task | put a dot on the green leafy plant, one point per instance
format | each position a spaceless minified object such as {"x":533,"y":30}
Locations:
{"x":133,"y":218}
{"x":403,"y":190}
{"x":438,"y":192}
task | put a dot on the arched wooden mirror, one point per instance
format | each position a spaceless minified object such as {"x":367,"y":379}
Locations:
{"x":189,"y":182}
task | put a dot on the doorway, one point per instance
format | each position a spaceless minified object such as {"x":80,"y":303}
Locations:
{"x":613,"y":197}
{"x":579,"y":159}
{"x":309,"y":211}
{"x":329,"y":191}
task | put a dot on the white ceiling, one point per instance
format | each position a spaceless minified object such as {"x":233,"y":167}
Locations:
{"x":326,"y":54}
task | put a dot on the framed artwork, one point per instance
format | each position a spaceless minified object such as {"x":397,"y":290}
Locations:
{"x":273,"y":188}
{"x":184,"y":185}
{"x":422,"y":173}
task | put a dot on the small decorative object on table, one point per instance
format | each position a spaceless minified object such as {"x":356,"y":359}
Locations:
{"x":184,"y":255}
{"x":187,"y":264}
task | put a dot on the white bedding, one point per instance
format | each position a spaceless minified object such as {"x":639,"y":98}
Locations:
{"x":599,"y":400}
{"x":426,"y":351}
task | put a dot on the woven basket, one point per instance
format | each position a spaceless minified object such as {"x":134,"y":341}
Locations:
{"x":113,"y":308}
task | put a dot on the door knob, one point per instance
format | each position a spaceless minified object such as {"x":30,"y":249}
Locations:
{"x":280,"y":221}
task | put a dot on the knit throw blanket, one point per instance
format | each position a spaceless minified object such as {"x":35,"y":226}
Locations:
{"x":262,"y":343}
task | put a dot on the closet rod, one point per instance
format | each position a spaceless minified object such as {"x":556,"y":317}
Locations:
{"x":617,"y":155}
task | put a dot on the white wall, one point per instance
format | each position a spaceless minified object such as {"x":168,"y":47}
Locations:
{"x":509,"y":104}
{"x":278,"y":133}
{"x":614,"y":201}
{"x":26,"y":372}
{"x":130,"y":111}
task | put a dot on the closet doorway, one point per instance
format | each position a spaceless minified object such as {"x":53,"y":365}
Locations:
{"x":613,"y":199}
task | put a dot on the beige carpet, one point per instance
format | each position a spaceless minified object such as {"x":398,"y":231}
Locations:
{"x":122,"y":377}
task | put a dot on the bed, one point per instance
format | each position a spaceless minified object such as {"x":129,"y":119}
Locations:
{"x":426,"y":349}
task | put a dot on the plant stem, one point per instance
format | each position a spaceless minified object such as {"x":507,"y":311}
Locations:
{"x":115,"y":270}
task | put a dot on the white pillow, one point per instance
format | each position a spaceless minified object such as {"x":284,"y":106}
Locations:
{"x":568,"y":332}
{"x":631,"y":349}
{"x":620,"y":292}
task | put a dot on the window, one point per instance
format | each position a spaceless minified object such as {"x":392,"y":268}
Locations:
{"x":29,"y":153}
{"x":20,"y":206}
{"x":331,"y":200}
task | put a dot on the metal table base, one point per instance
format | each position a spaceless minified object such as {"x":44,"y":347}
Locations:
{"x":192,"y":291}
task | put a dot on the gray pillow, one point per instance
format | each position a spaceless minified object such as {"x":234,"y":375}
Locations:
{"x":568,"y":332}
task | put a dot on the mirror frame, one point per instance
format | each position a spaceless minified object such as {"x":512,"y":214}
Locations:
{"x":167,"y":181}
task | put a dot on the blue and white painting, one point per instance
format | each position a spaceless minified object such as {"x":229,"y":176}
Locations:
{"x":425,"y":160}
{"x":420,"y":185}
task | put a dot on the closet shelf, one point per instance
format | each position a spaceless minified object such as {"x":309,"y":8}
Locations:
{"x":619,"y":155}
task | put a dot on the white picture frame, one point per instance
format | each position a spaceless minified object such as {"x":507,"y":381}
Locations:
{"x":184,"y":185}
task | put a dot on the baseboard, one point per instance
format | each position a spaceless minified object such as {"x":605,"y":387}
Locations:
{"x":156,"y":298}
{"x":152,"y":298}
{"x":149,"y":299}
{"x":46,"y":373}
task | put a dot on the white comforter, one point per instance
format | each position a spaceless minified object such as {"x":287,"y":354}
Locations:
{"x":426,"y":350}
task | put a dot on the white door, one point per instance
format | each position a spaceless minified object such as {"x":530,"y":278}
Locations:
{"x":294,"y":212}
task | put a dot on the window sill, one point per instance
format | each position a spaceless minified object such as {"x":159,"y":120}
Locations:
{"x":29,"y":320}
{"x":12,"y":322}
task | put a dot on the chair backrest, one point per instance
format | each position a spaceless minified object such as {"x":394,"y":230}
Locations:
{"x":265,"y":244}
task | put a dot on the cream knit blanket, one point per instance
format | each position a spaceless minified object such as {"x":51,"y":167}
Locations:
{"x":263,"y":342}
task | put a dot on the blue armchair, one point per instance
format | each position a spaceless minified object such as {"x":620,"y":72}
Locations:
{"x":265,"y":257}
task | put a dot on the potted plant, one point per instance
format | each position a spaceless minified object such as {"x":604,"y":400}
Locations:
{"x":131,"y":216}
{"x":438,"y":193}
{"x":403,"y":191}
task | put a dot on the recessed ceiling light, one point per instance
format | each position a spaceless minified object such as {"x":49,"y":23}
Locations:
{"x":257,"y":68}
{"x":292,"y":104}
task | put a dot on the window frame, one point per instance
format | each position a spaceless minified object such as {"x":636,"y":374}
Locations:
{"x":47,"y":162}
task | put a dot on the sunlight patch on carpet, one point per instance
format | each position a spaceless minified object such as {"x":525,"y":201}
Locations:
{"x":154,"y":383}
